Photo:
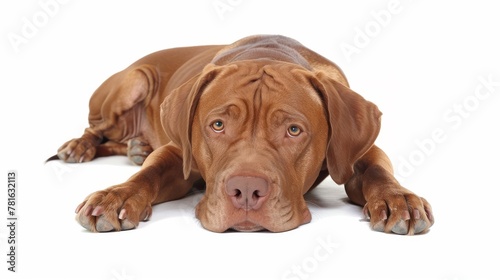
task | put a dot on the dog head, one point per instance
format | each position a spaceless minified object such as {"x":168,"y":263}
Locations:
{"x":259,"y":132}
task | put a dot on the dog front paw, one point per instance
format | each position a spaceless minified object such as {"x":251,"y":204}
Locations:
{"x":399,"y":212}
{"x":116,"y":208}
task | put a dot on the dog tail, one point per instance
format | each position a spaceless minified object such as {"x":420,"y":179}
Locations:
{"x":54,"y":157}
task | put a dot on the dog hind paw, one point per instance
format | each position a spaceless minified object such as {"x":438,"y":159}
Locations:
{"x":77,"y":150}
{"x":138,"y":150}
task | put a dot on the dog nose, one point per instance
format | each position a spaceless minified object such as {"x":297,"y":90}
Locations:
{"x":247,"y":192}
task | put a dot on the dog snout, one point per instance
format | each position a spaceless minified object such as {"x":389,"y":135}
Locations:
{"x":246,"y":192}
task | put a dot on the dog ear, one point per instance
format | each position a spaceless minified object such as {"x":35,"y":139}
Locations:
{"x":354,"y":125}
{"x":177,"y":112}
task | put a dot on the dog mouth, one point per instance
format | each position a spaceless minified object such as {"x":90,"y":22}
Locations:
{"x":248,"y":226}
{"x":274,"y":216}
{"x":270,"y":220}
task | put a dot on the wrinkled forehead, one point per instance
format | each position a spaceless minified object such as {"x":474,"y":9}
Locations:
{"x":264,"y":81}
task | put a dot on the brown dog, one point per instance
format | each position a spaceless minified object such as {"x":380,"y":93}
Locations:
{"x":261,"y":122}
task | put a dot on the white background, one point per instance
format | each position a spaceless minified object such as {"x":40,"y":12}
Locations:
{"x":421,"y":62}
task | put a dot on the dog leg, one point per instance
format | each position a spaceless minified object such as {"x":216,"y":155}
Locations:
{"x":111,"y":148}
{"x":389,"y":206}
{"x":123,"y":206}
{"x":116,"y":113}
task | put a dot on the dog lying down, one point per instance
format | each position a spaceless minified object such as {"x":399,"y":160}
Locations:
{"x":260,"y":121}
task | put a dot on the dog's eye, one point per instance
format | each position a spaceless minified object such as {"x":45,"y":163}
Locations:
{"x":217,"y":126}
{"x":294,"y":131}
